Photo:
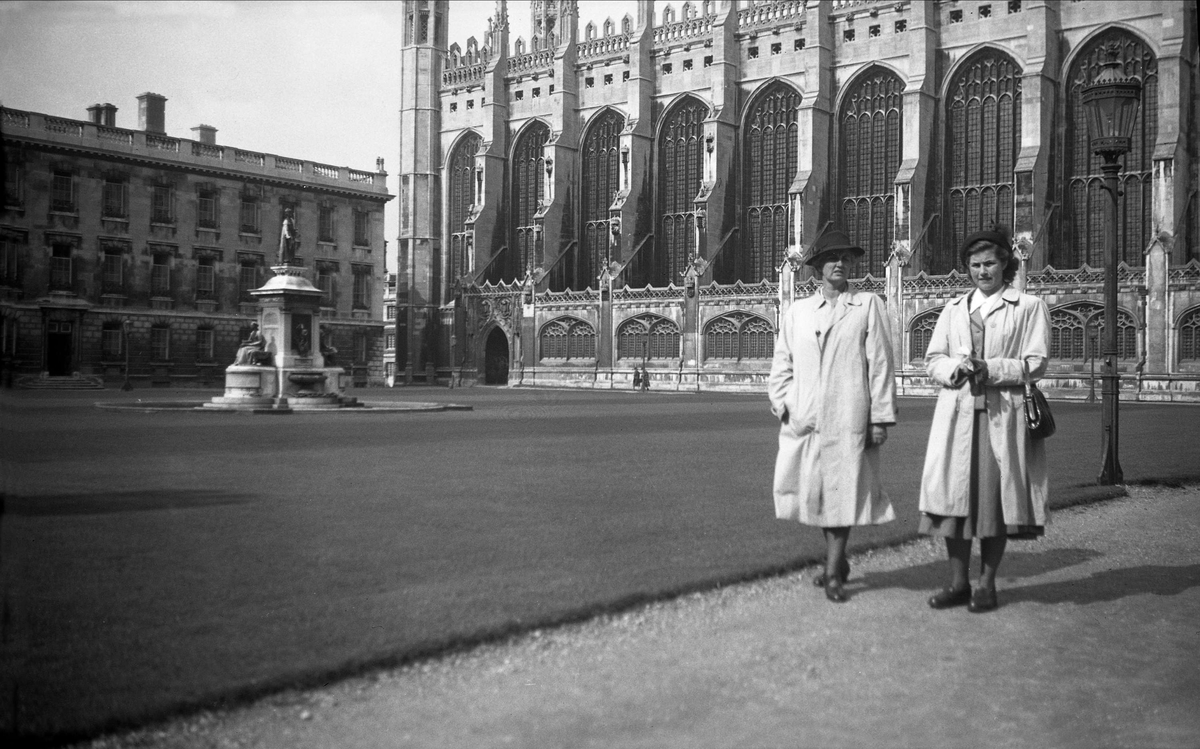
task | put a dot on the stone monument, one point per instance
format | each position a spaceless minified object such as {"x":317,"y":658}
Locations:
{"x":282,"y":363}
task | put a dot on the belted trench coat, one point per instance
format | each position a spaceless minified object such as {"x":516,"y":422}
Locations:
{"x":1016,"y":334}
{"x":832,"y":382}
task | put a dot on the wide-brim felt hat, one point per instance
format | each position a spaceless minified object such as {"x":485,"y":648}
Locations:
{"x":830,"y":241}
{"x":997,"y":235}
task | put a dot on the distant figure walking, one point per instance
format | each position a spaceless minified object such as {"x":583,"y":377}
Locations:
{"x":833,"y":388}
{"x":289,"y":238}
{"x":645,"y":379}
{"x":637,"y":378}
{"x":984,"y":476}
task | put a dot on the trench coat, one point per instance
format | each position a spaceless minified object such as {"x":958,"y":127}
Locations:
{"x":832,"y":383}
{"x":1017,"y":332}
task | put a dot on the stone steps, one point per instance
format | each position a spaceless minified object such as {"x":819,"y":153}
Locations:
{"x":60,"y":383}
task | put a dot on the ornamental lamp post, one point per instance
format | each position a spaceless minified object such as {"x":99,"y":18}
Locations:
{"x":1110,"y":104}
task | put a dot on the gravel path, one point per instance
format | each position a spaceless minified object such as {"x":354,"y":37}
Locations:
{"x":1095,"y":644}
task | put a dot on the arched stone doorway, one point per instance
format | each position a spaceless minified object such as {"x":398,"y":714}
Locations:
{"x":495,"y":358}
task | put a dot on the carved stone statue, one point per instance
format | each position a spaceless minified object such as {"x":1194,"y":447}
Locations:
{"x":327,"y":348}
{"x":253,"y":351}
{"x":289,"y":238}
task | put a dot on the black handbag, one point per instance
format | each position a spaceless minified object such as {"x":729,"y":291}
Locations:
{"x":1038,"y":419}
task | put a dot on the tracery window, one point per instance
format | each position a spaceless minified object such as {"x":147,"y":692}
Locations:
{"x":920,"y":333}
{"x":871,"y":144}
{"x":601,"y":174}
{"x":568,"y":339}
{"x":983,"y":122}
{"x":739,"y":336}
{"x":461,"y":174}
{"x":648,"y":337}
{"x":1072,"y":326}
{"x":528,"y":192}
{"x":1189,"y":336}
{"x":770,"y":165}
{"x":679,"y":175}
{"x":1084,"y":224}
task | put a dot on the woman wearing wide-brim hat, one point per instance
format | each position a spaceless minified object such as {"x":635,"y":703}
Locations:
{"x":833,"y":388}
{"x":984,"y":476}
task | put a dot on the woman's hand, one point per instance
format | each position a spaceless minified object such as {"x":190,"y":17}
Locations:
{"x":877,"y":435}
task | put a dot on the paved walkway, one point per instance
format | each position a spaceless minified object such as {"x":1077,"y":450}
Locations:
{"x":1095,"y":645}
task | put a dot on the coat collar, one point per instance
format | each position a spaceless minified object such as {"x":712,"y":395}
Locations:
{"x":1009,"y":294}
{"x":851,"y":296}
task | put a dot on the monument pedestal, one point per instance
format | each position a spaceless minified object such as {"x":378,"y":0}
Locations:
{"x":289,"y":321}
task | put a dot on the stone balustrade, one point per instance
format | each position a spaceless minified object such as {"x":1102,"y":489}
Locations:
{"x":603,"y":47}
{"x":771,"y":14}
{"x":692,"y":29}
{"x":533,"y":62}
{"x":467,"y":75}
{"x":89,"y":135}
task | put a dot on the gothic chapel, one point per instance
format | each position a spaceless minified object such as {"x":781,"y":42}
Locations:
{"x":595,"y":197}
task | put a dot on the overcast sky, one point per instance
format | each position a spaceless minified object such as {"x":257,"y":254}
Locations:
{"x":308,"y":80}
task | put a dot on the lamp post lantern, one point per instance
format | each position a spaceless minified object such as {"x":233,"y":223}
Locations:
{"x":1110,"y":104}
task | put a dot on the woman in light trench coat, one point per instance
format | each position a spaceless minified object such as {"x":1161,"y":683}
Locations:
{"x":984,"y":477}
{"x":833,"y":388}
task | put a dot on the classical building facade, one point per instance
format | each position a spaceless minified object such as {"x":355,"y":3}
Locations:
{"x":590,"y":198}
{"x":124,"y":248}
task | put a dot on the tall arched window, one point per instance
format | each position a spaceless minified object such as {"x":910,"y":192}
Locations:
{"x":983,"y":124}
{"x":738,"y":336}
{"x":769,"y":166}
{"x":921,"y":333}
{"x":648,"y":337}
{"x":461,"y":174}
{"x":600,"y":182}
{"x":567,"y":338}
{"x":871,"y":140}
{"x":1084,"y":216}
{"x":679,"y":173}
{"x":1077,"y":333}
{"x":528,"y":191}
{"x":1189,"y":336}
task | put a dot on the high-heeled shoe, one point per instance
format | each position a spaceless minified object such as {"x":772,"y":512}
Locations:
{"x":949,"y":597}
{"x":843,"y":573}
{"x":834,"y":592}
{"x":983,"y":600}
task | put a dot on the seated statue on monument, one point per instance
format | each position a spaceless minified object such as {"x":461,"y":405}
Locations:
{"x":328,"y":351}
{"x":253,"y":351}
{"x":289,"y":238}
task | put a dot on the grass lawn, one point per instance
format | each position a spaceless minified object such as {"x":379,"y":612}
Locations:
{"x":155,"y":562}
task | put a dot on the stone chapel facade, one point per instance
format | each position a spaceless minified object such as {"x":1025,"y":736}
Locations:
{"x":590,"y":199}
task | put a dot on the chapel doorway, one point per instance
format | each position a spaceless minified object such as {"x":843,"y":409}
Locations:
{"x":495,"y":358}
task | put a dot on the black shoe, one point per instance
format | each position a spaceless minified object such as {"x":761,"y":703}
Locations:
{"x":948,"y":598}
{"x":983,"y":600}
{"x":843,"y":573}
{"x":834,"y":592}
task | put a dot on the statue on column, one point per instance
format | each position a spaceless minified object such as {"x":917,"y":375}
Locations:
{"x":289,"y":238}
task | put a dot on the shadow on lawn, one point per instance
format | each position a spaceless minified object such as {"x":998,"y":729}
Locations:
{"x":147,"y":500}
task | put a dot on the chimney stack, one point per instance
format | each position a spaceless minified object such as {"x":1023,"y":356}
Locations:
{"x":206,"y":134}
{"x":152,"y":113}
{"x":103,"y":114}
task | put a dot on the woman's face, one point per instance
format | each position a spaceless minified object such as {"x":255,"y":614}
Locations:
{"x":836,"y":266}
{"x":987,"y":271}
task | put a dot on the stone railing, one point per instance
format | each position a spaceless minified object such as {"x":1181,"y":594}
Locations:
{"x":603,"y":47}
{"x":467,"y":75}
{"x":1084,"y":276}
{"x":569,"y":297}
{"x":767,"y":15}
{"x":289,"y":165}
{"x":649,"y":293}
{"x":41,"y":127}
{"x":113,"y":134}
{"x":249,"y":157}
{"x":1184,"y":274}
{"x":533,"y":62}
{"x":162,"y":143}
{"x":67,"y":127}
{"x":739,"y":290}
{"x":693,"y":29}
{"x":207,"y":151}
